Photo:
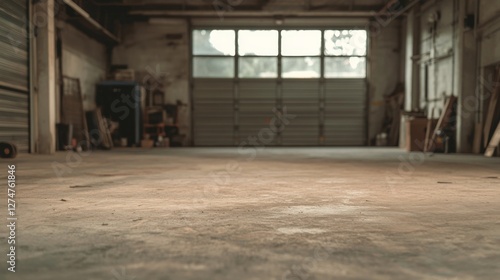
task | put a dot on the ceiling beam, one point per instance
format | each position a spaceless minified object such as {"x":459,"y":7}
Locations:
{"x":212,"y":13}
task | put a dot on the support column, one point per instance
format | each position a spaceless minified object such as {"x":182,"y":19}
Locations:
{"x":412,"y":78}
{"x":465,"y":79}
{"x":45,"y":76}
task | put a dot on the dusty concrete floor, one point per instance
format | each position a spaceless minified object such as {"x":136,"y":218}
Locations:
{"x":287,"y":214}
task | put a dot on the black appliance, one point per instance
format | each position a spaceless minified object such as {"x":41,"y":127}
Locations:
{"x":121,"y":101}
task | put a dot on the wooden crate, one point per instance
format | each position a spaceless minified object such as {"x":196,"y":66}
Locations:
{"x":416,"y":129}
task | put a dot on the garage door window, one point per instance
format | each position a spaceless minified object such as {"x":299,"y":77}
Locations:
{"x":301,"y":67}
{"x":258,"y":67}
{"x":258,"y":50}
{"x":260,"y":53}
{"x":300,"y":42}
{"x":213,"y":52}
{"x":345,"y":53}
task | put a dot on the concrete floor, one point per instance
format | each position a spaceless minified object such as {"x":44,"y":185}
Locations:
{"x":289,"y":213}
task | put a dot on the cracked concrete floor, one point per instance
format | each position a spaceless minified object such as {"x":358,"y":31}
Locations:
{"x":289,"y":213}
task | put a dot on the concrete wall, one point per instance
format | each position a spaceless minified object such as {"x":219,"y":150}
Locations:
{"x":488,"y":10}
{"x":466,"y":78}
{"x":489,"y":22}
{"x":436,"y":51}
{"x":83,"y":58}
{"x":385,"y":54}
{"x":490,"y":49}
{"x":160,"y":62}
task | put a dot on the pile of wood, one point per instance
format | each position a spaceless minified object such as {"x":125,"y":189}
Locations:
{"x":490,"y":131}
{"x":443,"y":122}
{"x":100,"y":130}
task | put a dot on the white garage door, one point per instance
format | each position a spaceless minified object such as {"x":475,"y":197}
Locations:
{"x":308,"y":86}
{"x":14,"y":79}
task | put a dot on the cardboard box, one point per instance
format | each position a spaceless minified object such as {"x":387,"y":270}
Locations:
{"x":147,"y":143}
{"x":124,"y":75}
{"x":416,"y":130}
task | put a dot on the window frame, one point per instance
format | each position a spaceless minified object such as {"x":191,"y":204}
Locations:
{"x":365,"y":56}
{"x":322,"y":56}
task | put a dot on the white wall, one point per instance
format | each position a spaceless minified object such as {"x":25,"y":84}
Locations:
{"x":450,"y":56}
{"x":440,"y":49}
{"x":83,"y":58}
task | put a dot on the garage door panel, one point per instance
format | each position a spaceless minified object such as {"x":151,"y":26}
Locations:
{"x":345,"y":83}
{"x":14,"y":118}
{"x":213,"y":95}
{"x":300,"y":94}
{"x":297,"y":88}
{"x":212,"y":131}
{"x":302,"y":111}
{"x":254,"y":89}
{"x":254,"y":131}
{"x":344,"y":125}
{"x":262,"y":134}
{"x":255,"y":120}
{"x":356,"y":114}
{"x":343,"y":117}
{"x":344,"y":102}
{"x":213,"y":114}
{"x":297,"y":138}
{"x":303,"y":121}
{"x":345,"y":112}
{"x":257,"y":99}
{"x":266,"y":106}
{"x":14,"y":74}
{"x":340,"y":139}
{"x":213,"y":91}
{"x":209,"y":140}
{"x":301,"y":99}
{"x":204,"y":109}
{"x":222,"y":121}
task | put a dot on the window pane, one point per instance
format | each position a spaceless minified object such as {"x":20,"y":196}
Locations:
{"x":213,"y":67}
{"x":345,"y":42}
{"x":345,"y":67}
{"x":258,"y":67}
{"x":213,"y":42}
{"x":258,"y":42}
{"x":301,"y":67}
{"x":301,"y":42}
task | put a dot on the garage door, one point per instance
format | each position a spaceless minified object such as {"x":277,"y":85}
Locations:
{"x":14,"y":79}
{"x":214,"y":113}
{"x":242,"y":86}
